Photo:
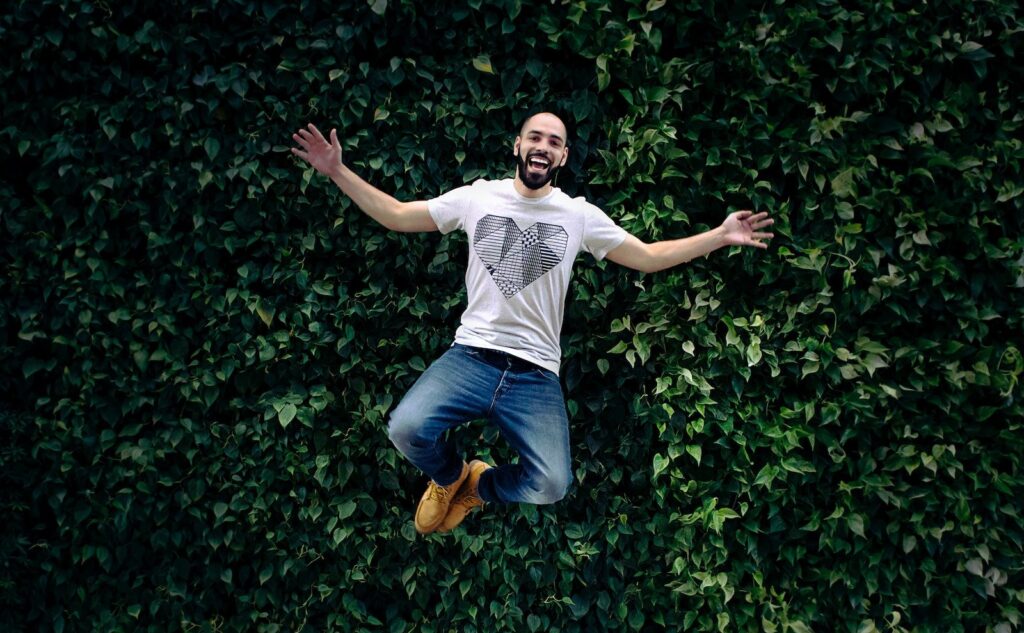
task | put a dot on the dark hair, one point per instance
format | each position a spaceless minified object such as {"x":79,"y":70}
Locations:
{"x":558,"y":112}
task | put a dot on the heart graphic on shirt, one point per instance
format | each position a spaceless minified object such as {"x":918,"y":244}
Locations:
{"x":514,"y":258}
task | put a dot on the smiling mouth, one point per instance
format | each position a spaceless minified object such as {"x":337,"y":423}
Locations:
{"x":539,"y":163}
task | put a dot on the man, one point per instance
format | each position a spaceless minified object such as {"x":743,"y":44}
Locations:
{"x":524,"y":234}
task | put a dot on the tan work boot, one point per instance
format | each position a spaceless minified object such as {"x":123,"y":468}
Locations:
{"x":466,"y":499}
{"x":435,"y":502}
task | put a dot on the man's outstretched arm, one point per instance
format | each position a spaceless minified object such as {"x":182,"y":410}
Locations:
{"x":742,"y":228}
{"x":325,"y":157}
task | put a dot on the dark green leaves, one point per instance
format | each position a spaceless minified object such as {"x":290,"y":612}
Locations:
{"x":204,"y":338}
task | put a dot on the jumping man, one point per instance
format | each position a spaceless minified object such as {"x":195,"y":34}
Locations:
{"x":524,"y":234}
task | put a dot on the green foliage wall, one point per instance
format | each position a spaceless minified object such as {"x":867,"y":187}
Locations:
{"x":202,"y":339}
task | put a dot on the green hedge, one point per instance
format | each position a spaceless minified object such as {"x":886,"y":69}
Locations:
{"x":203,"y":339}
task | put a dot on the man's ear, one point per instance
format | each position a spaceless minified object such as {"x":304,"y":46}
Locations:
{"x":515,"y":146}
{"x":565,"y":156}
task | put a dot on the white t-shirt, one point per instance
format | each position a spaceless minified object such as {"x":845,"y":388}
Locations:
{"x":521,"y":252}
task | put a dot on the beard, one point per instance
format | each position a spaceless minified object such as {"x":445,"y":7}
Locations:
{"x":535,"y":180}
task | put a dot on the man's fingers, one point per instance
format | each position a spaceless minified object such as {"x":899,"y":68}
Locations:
{"x":762,"y":224}
{"x":314,"y":141}
{"x":316,"y":134}
{"x":305,"y":140}
{"x":301,"y":154}
{"x":763,"y":236}
{"x":334,"y":138}
{"x":755,"y":220}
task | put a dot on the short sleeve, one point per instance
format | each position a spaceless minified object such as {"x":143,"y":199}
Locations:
{"x":601,"y":233}
{"x":449,"y":209}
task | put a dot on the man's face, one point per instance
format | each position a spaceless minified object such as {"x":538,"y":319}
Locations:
{"x":540,"y":150}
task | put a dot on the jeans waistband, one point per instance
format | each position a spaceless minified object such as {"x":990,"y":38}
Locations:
{"x":500,"y":359}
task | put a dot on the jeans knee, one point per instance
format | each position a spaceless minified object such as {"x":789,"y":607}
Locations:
{"x":550,"y":488}
{"x":402,"y":431}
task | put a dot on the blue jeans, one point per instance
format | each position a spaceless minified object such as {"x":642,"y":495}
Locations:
{"x":522,"y":399}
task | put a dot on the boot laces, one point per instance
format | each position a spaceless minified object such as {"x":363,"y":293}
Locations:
{"x":469,"y":499}
{"x":438,"y":493}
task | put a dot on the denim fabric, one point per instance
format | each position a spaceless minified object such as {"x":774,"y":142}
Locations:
{"x":523,"y":400}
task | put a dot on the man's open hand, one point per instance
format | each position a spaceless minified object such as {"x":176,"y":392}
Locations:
{"x":323,"y":156}
{"x":743,"y":228}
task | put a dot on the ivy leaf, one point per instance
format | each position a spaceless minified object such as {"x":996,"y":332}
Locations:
{"x":874,"y":362}
{"x":975,"y":52}
{"x":856,"y":524}
{"x":346,"y":509}
{"x":799,"y":627}
{"x":287,"y":414}
{"x":660,"y":464}
{"x":265,"y":313}
{"x":975,"y":566}
{"x":32,"y":365}
{"x":842,"y":185}
{"x":483,"y":64}
{"x":754,"y":352}
{"x":835,"y":39}
{"x":909,"y":543}
{"x":766,"y":476}
{"x":212,"y":147}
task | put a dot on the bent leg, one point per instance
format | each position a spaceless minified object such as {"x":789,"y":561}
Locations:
{"x":452,"y":391}
{"x":531,"y":416}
